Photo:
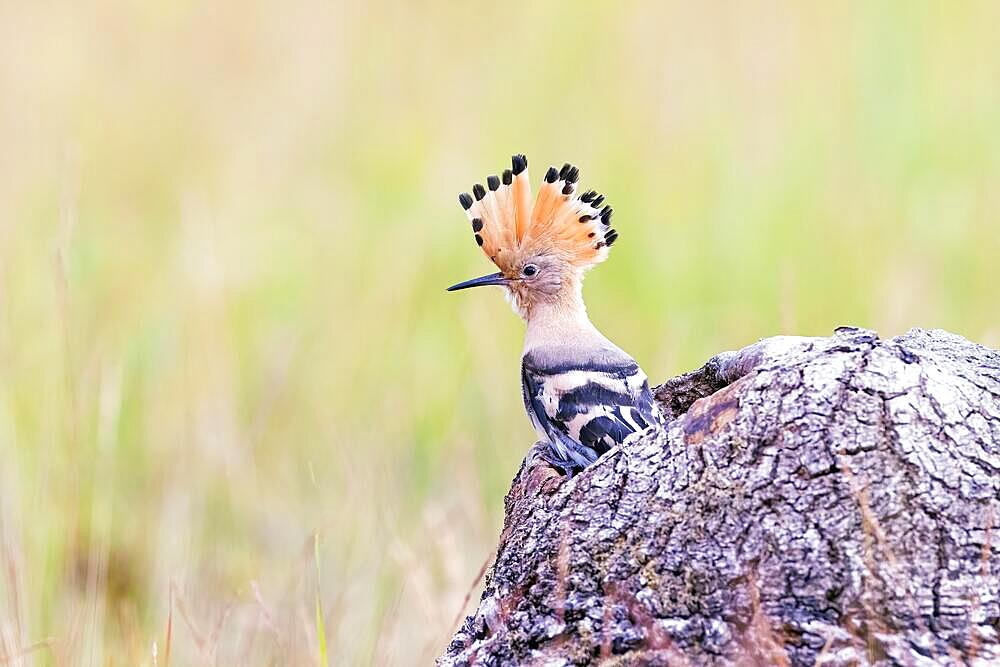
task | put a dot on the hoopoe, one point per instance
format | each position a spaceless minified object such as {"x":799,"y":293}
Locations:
{"x":582,"y":393}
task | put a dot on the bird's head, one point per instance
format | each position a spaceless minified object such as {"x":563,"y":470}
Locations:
{"x":542,"y":249}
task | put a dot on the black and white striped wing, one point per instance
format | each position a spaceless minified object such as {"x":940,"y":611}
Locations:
{"x":585,"y":410}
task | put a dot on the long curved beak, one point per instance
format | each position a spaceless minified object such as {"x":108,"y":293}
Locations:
{"x":492,"y":279}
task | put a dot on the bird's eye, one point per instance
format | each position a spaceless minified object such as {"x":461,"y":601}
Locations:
{"x":529,"y":270}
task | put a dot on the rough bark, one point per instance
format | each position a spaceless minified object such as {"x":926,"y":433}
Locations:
{"x":812,"y":501}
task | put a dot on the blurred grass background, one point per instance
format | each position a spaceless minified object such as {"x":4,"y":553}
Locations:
{"x":225,"y":230}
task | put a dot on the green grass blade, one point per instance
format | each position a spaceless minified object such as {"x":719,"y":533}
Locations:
{"x":320,"y":622}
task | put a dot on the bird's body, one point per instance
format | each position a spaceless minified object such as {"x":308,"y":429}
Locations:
{"x":582,"y":393}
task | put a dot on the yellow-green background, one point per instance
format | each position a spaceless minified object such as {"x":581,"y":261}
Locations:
{"x":225,"y":230}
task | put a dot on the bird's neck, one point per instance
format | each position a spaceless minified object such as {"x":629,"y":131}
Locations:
{"x":559,"y":320}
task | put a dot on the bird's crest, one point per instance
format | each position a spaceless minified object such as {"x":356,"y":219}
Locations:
{"x":508,"y":226}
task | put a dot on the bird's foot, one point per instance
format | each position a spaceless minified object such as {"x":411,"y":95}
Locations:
{"x":564,"y":466}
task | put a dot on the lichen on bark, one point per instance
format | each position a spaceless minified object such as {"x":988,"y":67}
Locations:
{"x":812,"y":501}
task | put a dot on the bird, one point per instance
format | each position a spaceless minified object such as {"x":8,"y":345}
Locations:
{"x":583,"y":394}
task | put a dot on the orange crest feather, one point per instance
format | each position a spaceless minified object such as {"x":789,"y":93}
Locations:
{"x":506,"y":225}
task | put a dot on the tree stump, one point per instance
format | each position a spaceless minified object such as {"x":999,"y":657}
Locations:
{"x":812,"y":501}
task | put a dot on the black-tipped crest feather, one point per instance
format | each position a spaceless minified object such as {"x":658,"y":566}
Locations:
{"x":518,"y":163}
{"x":510,"y":223}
